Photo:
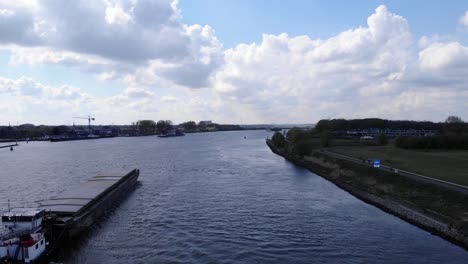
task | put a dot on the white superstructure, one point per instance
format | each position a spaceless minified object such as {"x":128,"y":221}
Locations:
{"x":22,"y":238}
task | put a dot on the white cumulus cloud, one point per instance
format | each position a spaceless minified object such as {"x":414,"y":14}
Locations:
{"x":376,"y":70}
{"x":314,"y":77}
{"x":464,"y":20}
{"x":123,"y":35}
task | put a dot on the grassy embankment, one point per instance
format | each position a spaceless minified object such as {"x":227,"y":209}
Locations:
{"x":447,"y":165}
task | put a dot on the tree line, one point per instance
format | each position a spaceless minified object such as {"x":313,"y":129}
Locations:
{"x":453,"y":134}
{"x":140,"y":127}
{"x":366,"y":123}
{"x":150,"y":127}
{"x":450,"y":134}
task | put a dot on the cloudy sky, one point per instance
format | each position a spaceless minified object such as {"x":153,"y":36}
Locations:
{"x":232,"y":61}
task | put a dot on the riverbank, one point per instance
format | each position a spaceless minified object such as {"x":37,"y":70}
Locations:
{"x":440,"y":211}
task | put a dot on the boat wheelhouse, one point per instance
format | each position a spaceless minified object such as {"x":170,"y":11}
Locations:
{"x":22,"y":238}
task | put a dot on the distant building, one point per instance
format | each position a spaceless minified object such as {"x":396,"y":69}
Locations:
{"x":373,"y":132}
{"x":129,"y":131}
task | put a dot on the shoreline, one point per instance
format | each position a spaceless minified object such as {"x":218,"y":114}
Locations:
{"x":9,"y":140}
{"x":341,"y":176}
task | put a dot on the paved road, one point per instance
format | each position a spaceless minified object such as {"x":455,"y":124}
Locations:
{"x":449,"y":185}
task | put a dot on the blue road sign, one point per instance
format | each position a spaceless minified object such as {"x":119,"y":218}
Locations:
{"x":376,"y":163}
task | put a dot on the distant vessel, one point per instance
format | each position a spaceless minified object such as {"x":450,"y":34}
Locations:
{"x":173,"y":132}
{"x":59,"y":139}
{"x":22,"y":239}
{"x":275,"y":129}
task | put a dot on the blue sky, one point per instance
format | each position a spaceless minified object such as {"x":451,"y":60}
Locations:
{"x":244,"y":21}
{"x":232,"y":61}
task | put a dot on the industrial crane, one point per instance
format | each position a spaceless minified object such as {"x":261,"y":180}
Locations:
{"x":89,"y":122}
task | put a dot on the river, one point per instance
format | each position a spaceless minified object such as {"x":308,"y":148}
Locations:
{"x":215,"y":198}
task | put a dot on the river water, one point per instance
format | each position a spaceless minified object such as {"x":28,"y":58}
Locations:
{"x":215,"y":198}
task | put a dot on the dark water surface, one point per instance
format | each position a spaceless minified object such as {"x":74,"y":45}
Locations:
{"x":216,"y":198}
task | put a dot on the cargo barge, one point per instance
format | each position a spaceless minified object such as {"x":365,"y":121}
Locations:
{"x":75,"y":210}
{"x":30,"y":235}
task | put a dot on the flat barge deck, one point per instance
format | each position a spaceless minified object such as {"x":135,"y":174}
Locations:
{"x":75,"y":210}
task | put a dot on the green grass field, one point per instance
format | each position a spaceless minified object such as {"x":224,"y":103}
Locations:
{"x":447,"y":165}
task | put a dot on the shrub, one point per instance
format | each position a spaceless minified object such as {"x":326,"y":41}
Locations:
{"x":302,"y":148}
{"x":295,"y":135}
{"x":447,"y":141}
{"x":278,"y":140}
{"x":382,"y":139}
{"x":326,"y":138}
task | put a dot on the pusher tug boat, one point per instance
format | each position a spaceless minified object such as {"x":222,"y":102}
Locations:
{"x":25,"y":232}
{"x":22,"y":239}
